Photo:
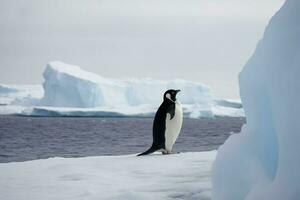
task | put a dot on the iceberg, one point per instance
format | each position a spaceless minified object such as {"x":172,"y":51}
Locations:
{"x":69,"y":90}
{"x":69,"y":86}
{"x":262,"y":162}
{"x":109,"y":177}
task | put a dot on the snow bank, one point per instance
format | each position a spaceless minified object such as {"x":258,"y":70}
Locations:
{"x":180,"y":176}
{"x":263,"y":161}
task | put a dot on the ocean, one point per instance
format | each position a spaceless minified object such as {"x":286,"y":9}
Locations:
{"x":30,"y":138}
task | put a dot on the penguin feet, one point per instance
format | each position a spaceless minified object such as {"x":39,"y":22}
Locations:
{"x":165,"y":152}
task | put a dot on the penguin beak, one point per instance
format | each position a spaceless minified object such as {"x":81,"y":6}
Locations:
{"x":177,"y":91}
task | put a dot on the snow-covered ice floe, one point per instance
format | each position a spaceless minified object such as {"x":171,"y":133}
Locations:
{"x":177,"y":176}
{"x":70,"y":91}
{"x":262,"y":162}
{"x":22,"y":95}
{"x":14,"y":99}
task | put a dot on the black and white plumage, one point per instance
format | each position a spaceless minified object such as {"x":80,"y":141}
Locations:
{"x":167,"y":124}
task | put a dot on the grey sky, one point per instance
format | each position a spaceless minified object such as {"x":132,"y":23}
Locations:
{"x":207,"y":41}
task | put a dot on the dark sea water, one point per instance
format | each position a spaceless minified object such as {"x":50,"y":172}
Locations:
{"x":29,"y":138}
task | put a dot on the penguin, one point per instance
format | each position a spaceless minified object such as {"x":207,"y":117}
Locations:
{"x":167,"y":124}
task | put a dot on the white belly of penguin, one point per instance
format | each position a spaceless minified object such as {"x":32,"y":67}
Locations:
{"x":173,"y":127}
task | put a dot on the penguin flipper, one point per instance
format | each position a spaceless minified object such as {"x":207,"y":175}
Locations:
{"x":152,"y":149}
{"x":171,"y":111}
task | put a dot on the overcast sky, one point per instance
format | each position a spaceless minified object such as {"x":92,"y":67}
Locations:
{"x":207,"y":41}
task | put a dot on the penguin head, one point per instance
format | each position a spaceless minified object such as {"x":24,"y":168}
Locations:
{"x":170,"y":95}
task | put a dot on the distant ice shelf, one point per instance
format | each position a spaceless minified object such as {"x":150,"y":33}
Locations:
{"x":70,"y":91}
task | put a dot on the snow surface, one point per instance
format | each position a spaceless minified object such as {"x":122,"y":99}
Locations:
{"x":262,"y":162}
{"x":177,"y":176}
{"x":70,"y":91}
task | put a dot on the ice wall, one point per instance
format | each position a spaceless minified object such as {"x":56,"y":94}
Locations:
{"x":262,"y":162}
{"x":70,"y":86}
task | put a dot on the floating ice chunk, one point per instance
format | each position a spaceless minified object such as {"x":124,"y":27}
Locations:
{"x":5,"y":89}
{"x":20,"y":94}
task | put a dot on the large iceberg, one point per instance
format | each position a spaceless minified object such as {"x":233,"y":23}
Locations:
{"x":69,"y":86}
{"x":262,"y":162}
{"x":69,"y":90}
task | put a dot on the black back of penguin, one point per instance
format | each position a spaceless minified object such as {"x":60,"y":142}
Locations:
{"x":159,"y":124}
